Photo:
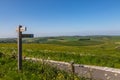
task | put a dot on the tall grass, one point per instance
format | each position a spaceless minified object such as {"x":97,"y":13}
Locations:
{"x":31,"y":70}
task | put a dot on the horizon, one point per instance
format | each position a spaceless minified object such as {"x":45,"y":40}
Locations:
{"x":60,"y":17}
{"x":63,"y":36}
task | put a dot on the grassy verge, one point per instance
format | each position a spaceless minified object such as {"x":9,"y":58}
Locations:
{"x":31,"y":71}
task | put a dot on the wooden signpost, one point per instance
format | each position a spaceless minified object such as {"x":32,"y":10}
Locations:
{"x":21,"y":29}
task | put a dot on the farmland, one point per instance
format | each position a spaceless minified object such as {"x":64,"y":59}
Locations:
{"x":90,"y":50}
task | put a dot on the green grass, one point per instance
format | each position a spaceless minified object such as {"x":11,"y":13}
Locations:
{"x":75,"y":43}
{"x":31,"y":70}
{"x":100,"y":50}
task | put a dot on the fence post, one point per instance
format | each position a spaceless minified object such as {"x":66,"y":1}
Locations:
{"x":72,"y":69}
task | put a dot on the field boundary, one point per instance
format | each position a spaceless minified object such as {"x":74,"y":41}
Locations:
{"x":88,"y":71}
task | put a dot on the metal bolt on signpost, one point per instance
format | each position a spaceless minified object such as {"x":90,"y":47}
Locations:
{"x":21,"y":29}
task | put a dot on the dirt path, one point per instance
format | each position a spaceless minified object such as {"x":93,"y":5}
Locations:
{"x":94,"y":72}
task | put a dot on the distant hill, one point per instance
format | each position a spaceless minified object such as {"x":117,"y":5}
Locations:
{"x":62,"y":39}
{"x":8,"y":40}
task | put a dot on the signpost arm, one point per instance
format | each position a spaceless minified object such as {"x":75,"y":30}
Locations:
{"x":19,"y":48}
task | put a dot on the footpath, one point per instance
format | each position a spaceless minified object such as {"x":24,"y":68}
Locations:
{"x":88,"y":71}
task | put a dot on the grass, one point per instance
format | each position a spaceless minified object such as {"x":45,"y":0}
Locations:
{"x":100,"y":51}
{"x":100,"y":55}
{"x":31,"y":70}
{"x":75,"y":43}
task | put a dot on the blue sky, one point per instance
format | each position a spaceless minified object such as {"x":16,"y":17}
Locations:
{"x":60,"y":17}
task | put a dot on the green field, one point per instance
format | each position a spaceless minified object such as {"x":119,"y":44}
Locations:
{"x":89,"y":50}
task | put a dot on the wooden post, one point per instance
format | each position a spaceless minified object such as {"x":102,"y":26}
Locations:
{"x":72,"y":69}
{"x":19,"y":48}
{"x":21,"y":29}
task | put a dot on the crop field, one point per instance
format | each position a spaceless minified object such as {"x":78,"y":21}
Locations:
{"x":95,"y":50}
